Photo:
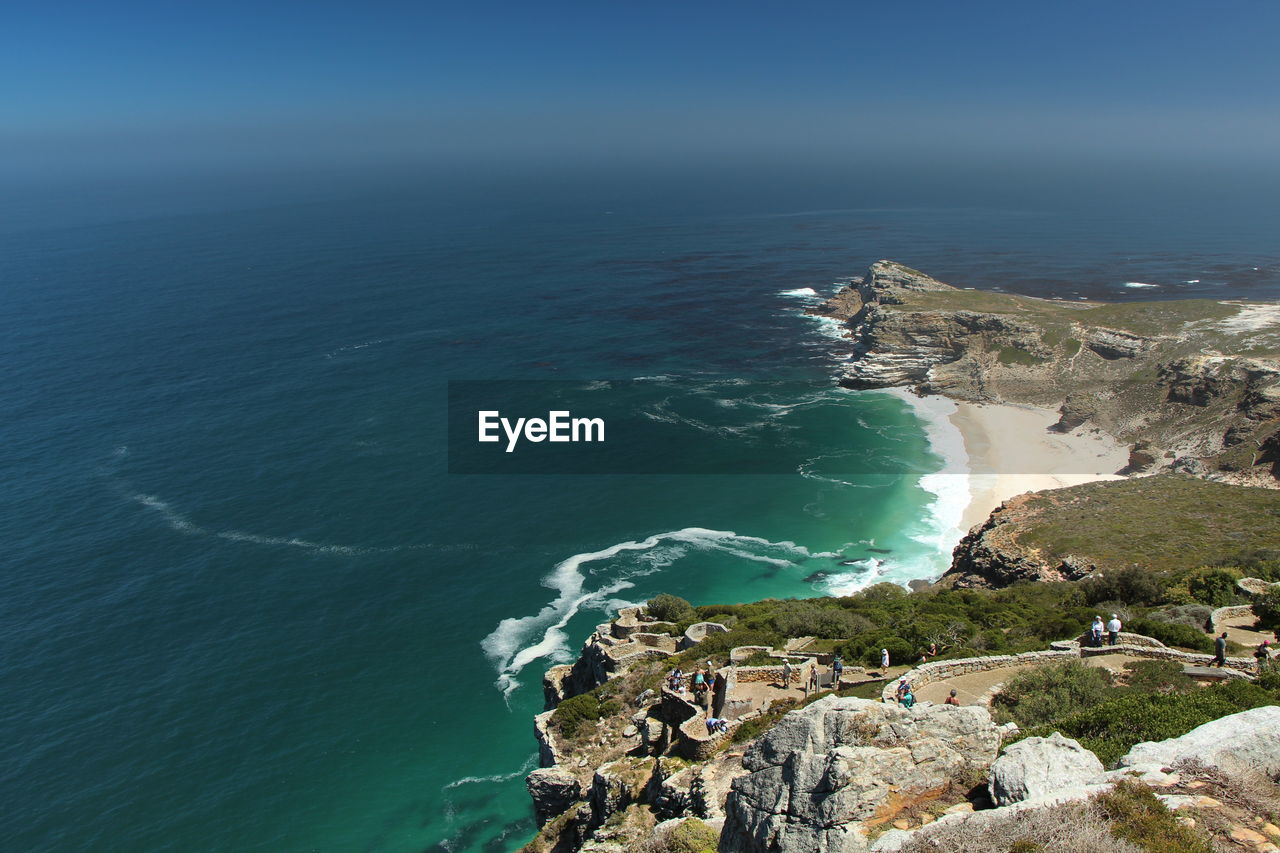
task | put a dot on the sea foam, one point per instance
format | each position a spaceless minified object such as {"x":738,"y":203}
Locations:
{"x":519,"y":641}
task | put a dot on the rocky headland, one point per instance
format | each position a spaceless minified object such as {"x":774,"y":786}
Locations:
{"x":1189,"y":385}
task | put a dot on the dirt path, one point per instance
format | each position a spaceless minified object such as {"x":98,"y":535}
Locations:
{"x":1240,"y":629}
{"x":972,"y":688}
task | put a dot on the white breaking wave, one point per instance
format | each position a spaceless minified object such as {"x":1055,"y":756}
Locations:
{"x":950,"y":485}
{"x":519,"y":641}
{"x":830,"y":327}
{"x":1139,"y":284}
{"x":800,"y":293}
{"x":530,"y":763}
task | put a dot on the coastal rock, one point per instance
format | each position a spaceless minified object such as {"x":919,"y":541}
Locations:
{"x":1041,"y":766}
{"x":1116,"y":343}
{"x":1093,"y":361}
{"x":825,"y":774}
{"x":553,"y":790}
{"x":1247,"y":740}
{"x":617,"y":785}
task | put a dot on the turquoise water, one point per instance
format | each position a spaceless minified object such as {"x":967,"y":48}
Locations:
{"x":247,"y":609}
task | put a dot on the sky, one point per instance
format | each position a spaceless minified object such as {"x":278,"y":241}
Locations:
{"x":97,"y":87}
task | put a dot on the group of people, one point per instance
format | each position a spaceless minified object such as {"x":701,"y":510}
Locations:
{"x":1111,"y":628}
{"x":704,"y":682}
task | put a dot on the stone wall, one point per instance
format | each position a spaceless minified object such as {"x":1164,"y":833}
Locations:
{"x":698,"y":631}
{"x":1234,"y":611}
{"x":773,"y":674}
{"x":940,"y":670}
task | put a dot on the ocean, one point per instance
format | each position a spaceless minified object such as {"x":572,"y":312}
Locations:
{"x":246,"y":607}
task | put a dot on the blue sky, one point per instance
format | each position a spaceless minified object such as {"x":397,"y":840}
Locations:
{"x":102,"y":84}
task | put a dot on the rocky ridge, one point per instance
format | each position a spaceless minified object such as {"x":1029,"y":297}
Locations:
{"x":1192,"y":385}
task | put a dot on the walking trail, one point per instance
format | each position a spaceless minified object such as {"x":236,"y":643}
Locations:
{"x":974,"y":688}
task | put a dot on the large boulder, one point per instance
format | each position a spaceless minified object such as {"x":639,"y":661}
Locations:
{"x":825,"y":774}
{"x":1041,"y":766}
{"x":553,"y":790}
{"x":1249,"y":740}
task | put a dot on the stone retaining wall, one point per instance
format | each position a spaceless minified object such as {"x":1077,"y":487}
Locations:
{"x":940,"y":670}
{"x":1234,"y":611}
{"x":773,"y":674}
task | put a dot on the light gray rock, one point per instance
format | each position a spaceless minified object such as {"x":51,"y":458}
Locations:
{"x":553,"y":790}
{"x":822,"y":771}
{"x":1041,"y":766}
{"x":1249,"y":740}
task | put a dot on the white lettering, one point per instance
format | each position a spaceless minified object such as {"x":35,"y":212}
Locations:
{"x":512,"y":434}
{"x":559,"y":426}
{"x":488,"y":422}
{"x":587,"y":425}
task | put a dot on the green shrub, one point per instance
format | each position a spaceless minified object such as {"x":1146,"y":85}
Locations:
{"x":1138,"y":816}
{"x":1158,"y":676}
{"x":670,"y":608}
{"x":1046,"y":693}
{"x":1114,"y":726}
{"x":573,"y":712}
{"x":1267,"y":608}
{"x":691,"y":836}
{"x":1181,"y":636}
{"x":809,"y":618}
{"x":1216,"y":588}
{"x":1132,"y":586}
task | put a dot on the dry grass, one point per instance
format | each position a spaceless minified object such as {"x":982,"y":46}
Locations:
{"x":1068,"y":828}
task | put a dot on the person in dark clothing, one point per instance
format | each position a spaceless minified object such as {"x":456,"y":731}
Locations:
{"x":1220,"y":650}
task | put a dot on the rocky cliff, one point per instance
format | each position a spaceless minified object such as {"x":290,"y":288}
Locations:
{"x":1192,"y":385}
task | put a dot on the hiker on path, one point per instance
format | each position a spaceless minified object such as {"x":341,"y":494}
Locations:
{"x":813,"y":680}
{"x":786,"y":674}
{"x":1113,"y":629}
{"x":951,"y":699}
{"x":1095,"y":632}
{"x":884,"y":658}
{"x":1220,"y":650}
{"x":837,"y":670}
{"x":1263,"y":655}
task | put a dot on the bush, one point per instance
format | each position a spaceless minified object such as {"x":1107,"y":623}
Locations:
{"x":1158,"y":676}
{"x":670,"y":608}
{"x":807,"y":618}
{"x":1267,"y":608}
{"x":1191,"y":615}
{"x":1113,"y":727}
{"x":690,"y":836}
{"x":1046,"y":693}
{"x":1129,"y":586}
{"x":1216,"y":588}
{"x":1181,"y":636}
{"x":573,"y":712}
{"x":1138,"y":816}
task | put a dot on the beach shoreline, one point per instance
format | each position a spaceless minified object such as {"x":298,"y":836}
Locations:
{"x":1010,"y":451}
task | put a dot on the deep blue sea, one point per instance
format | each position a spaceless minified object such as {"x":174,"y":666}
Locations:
{"x":244,"y":605}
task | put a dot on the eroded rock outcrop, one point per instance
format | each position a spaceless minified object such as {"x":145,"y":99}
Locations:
{"x":1041,"y":766}
{"x":1249,"y":740}
{"x":826,"y":774}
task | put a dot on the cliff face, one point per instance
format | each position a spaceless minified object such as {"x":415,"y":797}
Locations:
{"x":1194,"y":385}
{"x":1163,"y":522}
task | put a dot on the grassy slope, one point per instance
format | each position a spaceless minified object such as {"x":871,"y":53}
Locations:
{"x":1168,"y":522}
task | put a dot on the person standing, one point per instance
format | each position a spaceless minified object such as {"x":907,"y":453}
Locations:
{"x":1220,"y":650}
{"x":1263,"y":655}
{"x":1113,"y":629}
{"x":884,"y":658}
{"x":813,"y":679}
{"x":786,"y":675}
{"x":1095,"y":632}
{"x":837,"y":671}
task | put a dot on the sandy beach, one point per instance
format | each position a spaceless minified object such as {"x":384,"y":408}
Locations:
{"x":1011,"y":451}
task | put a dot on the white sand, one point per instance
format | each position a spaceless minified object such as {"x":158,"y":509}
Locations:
{"x":1011,"y":451}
